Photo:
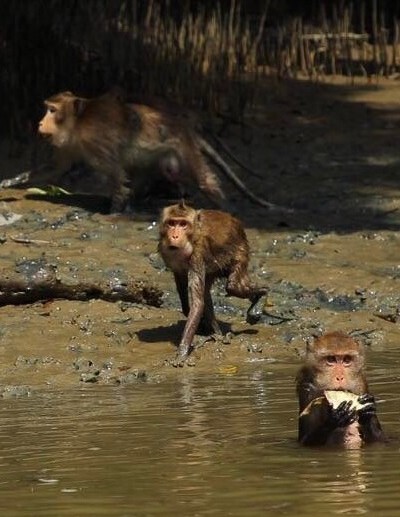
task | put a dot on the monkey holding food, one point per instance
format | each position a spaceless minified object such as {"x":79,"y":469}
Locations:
{"x":200,"y":246}
{"x":335,"y":406}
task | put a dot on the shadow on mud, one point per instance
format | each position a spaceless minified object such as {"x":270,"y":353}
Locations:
{"x":172,"y":333}
{"x":327,"y":151}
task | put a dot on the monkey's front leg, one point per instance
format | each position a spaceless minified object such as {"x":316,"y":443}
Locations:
{"x":196,"y":285}
{"x":181,"y":282}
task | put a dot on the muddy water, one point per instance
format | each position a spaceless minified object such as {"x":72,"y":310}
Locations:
{"x":216,"y":444}
{"x":95,"y":437}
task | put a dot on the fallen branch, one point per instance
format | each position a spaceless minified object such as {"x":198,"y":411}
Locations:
{"x":45,"y":284}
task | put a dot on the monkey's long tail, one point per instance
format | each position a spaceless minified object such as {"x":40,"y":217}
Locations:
{"x":234,"y":158}
{"x":212,"y":153}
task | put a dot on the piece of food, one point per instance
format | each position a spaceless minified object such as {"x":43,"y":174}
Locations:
{"x":336,"y":397}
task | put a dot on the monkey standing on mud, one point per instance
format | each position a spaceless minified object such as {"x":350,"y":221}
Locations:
{"x":128,"y":143}
{"x":200,"y":246}
{"x":335,"y":406}
{"x":133,"y":145}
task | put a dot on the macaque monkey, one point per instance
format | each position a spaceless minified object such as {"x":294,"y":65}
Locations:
{"x":96,"y":132}
{"x":200,"y":246}
{"x":133,"y":145}
{"x":334,"y":369}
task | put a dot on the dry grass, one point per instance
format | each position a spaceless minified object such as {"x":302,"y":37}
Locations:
{"x":210,"y":59}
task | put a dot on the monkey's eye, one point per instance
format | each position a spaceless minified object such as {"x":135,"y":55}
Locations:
{"x":330,"y":359}
{"x":182,"y":224}
{"x":51,"y":109}
{"x":347,"y":359}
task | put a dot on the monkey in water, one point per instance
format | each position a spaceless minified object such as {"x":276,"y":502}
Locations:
{"x":200,"y":246}
{"x":335,"y":406}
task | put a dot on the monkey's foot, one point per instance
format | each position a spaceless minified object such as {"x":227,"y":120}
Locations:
{"x":218,"y":337}
{"x":179,"y":361}
{"x":255,"y":311}
{"x":181,"y":358}
{"x":120,"y":201}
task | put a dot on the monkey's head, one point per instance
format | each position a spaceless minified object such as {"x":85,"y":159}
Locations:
{"x":337,"y":360}
{"x":177,"y":226}
{"x":62,"y":111}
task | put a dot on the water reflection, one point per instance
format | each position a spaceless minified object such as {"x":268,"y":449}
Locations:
{"x":201,"y":445}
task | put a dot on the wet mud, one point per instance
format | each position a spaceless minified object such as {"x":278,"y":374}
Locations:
{"x":84,"y":297}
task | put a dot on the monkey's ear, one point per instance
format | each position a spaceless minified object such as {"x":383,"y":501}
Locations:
{"x":79,"y":106}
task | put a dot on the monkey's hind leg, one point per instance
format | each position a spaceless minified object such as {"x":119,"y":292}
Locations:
{"x":239,"y":285}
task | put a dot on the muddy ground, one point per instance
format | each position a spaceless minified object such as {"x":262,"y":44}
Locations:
{"x":85,"y":298}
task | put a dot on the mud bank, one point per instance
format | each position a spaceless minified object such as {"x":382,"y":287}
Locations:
{"x":84,"y":298}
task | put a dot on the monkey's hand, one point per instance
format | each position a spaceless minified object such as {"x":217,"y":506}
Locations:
{"x":366,"y":399}
{"x":369,"y":408}
{"x":343,"y":415}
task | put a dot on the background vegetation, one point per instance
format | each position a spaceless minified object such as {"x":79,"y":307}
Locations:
{"x":210,"y":55}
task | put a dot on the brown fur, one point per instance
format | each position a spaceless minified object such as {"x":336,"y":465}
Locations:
{"x":200,"y":246}
{"x":127,"y":142}
{"x":94,"y":131}
{"x":334,"y":361}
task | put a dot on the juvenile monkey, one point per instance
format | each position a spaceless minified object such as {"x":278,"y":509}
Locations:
{"x":200,"y":246}
{"x":334,"y":367}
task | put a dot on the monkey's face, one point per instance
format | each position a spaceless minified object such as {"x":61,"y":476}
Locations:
{"x":48,"y":125}
{"x":338,"y":361}
{"x":339,"y":372}
{"x":59,"y":120}
{"x":176,"y":242}
{"x":52,"y":125}
{"x":178,"y":233}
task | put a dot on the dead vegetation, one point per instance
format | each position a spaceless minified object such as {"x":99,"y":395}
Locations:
{"x":210,"y":56}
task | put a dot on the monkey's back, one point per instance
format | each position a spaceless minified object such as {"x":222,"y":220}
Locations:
{"x":103,"y":129}
{"x":223,"y":240}
{"x":158,"y":126}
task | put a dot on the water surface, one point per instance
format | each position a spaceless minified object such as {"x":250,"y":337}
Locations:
{"x":214,"y":444}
